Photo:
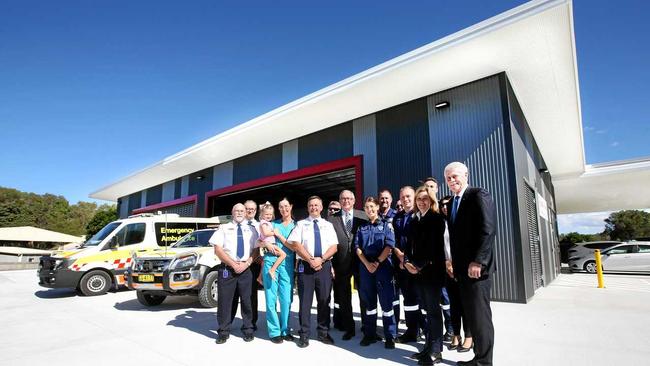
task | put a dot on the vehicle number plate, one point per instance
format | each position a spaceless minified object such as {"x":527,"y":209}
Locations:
{"x":145,"y":278}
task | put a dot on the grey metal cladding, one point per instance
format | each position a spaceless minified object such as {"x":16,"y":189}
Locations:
{"x":290,"y":156}
{"x":123,"y":207}
{"x":135,"y":199}
{"x":168,"y":191}
{"x":154,"y":195}
{"x":199,"y":183}
{"x":403,"y":154}
{"x":365,"y":144}
{"x":258,"y":164}
{"x":326,"y":145}
{"x":222,"y":175}
{"x":471,"y":130}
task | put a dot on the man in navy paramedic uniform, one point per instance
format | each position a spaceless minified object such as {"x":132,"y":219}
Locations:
{"x":401,"y":222}
{"x":233,"y":243}
{"x":316,"y":243}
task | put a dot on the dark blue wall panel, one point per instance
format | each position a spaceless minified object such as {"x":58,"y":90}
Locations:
{"x":330,"y":144}
{"x":135,"y":200}
{"x":257,"y":165}
{"x":154,"y":195}
{"x":200,"y":182}
{"x":403,"y":154}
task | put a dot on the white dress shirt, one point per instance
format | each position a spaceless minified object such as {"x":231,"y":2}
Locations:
{"x":226,"y":238}
{"x":303,"y":233}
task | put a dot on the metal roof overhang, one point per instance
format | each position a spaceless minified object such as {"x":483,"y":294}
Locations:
{"x":533,"y":43}
{"x":620,"y":185}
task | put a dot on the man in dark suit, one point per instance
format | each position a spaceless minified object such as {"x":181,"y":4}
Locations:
{"x":346,"y":222}
{"x":472,"y":231}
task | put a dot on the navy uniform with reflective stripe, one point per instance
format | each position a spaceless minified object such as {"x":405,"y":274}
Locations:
{"x":405,"y":284}
{"x":372,"y":238}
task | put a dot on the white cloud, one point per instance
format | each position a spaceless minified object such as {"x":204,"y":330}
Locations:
{"x":614,"y":144}
{"x":583,"y":223}
{"x":589,"y":128}
{"x":600,"y":132}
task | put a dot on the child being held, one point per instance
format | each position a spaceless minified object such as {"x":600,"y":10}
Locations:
{"x":267,"y":240}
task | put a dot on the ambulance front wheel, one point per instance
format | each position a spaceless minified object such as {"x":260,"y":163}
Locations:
{"x":95,"y":283}
{"x":149,"y":300}
{"x":208,"y":293}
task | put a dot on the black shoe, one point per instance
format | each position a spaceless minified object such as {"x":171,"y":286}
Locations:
{"x":466,"y":363}
{"x":347,"y":336}
{"x":303,"y":342}
{"x":248,"y":337}
{"x":221,"y":339}
{"x":379,"y":338}
{"x":406,"y":338}
{"x":389,"y":344}
{"x":277,"y":340}
{"x":366,"y":341}
{"x":448,"y":337}
{"x":425,"y":361}
{"x":437,"y":357}
{"x":327,"y":339}
{"x":462,"y":349}
{"x":289,"y":338}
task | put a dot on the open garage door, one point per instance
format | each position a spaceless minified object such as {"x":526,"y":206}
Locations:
{"x":324,"y":180}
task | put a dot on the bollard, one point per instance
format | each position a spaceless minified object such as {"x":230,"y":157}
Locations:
{"x":599,"y":269}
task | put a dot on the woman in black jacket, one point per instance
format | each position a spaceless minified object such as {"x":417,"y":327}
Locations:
{"x":424,"y":258}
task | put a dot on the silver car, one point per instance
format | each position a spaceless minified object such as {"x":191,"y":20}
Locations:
{"x":583,"y":249}
{"x":626,"y":257}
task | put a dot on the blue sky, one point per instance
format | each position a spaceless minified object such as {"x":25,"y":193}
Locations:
{"x":93,"y":91}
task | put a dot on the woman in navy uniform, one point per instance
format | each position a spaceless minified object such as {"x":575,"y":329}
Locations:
{"x":374,"y":243}
{"x":424,"y":259}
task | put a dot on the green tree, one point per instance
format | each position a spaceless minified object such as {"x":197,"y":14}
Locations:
{"x":628,"y":224}
{"x":104,"y":215}
{"x":574,"y":237}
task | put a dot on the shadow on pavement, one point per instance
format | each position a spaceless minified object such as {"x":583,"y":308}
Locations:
{"x":57,"y":293}
{"x":171,"y":303}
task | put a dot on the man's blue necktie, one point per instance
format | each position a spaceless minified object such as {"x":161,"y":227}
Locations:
{"x":240,"y":242}
{"x":318,"y":249}
{"x":454,"y":208}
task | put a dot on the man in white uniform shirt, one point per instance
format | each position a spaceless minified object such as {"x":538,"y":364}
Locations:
{"x":233,"y":244}
{"x":316,"y":243}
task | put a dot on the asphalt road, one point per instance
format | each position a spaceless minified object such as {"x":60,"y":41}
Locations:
{"x":569,"y":322}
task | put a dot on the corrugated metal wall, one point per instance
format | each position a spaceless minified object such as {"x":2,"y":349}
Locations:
{"x":403,"y":154}
{"x":200,"y":182}
{"x":257,"y":165}
{"x":154,"y":195}
{"x":471,"y":130}
{"x":134,"y":201}
{"x":330,"y":144}
{"x":528,"y":163}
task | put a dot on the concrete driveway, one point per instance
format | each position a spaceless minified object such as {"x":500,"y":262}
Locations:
{"x":569,"y":322}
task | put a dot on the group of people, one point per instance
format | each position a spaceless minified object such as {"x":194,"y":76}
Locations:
{"x":437,"y":254}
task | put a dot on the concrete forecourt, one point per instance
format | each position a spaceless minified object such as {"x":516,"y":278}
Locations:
{"x":570,"y":322}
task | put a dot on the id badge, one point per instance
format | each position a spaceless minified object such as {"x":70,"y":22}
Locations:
{"x":225,"y":273}
{"x":301,"y":268}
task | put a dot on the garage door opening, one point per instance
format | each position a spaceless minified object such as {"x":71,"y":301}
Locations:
{"x":324,"y":180}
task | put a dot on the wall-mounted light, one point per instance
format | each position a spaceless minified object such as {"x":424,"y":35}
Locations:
{"x":200,"y":177}
{"x":441,"y":105}
{"x":542,"y":170}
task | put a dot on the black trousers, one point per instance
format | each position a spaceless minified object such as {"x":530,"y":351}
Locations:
{"x":456,"y":308}
{"x":320,"y":283}
{"x":430,"y":302}
{"x":475,"y":295}
{"x":230,"y":283}
{"x":343,"y":319}
{"x":414,"y":318}
{"x":255,"y":270}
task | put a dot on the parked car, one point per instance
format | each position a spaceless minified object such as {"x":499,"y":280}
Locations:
{"x":589,"y":247}
{"x":625,"y":257}
{"x":188,"y":267}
